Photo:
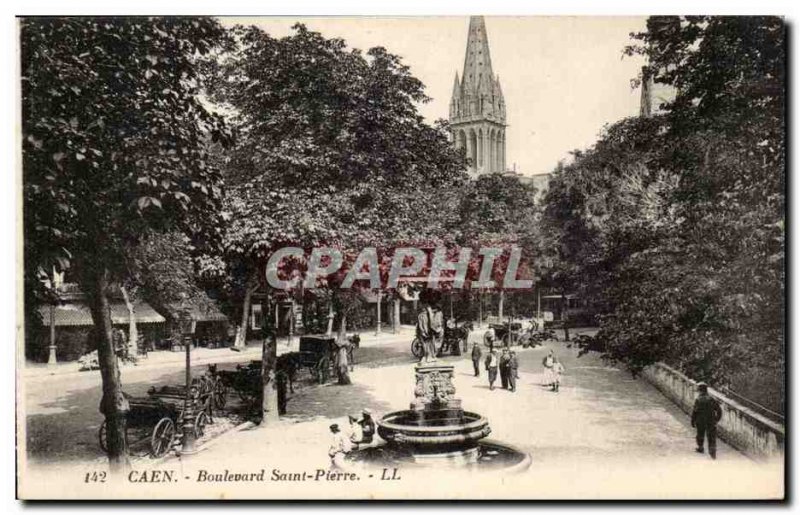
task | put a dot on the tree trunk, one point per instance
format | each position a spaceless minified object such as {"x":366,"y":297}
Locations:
{"x":342,"y":335}
{"x":133,"y":332}
{"x":480,"y":309}
{"x":241,"y":332}
{"x":564,"y":319}
{"x":269,"y":398}
{"x":500,"y":306}
{"x":329,"y":330}
{"x":396,"y":317}
{"x":113,"y":404}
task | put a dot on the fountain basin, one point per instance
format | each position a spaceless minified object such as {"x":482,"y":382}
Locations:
{"x":434,"y":430}
{"x":486,"y":456}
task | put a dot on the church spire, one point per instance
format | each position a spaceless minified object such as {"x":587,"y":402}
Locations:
{"x":477,"y":60}
{"x":477,"y":109}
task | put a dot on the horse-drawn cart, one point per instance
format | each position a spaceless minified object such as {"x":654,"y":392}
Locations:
{"x":153,"y":422}
{"x":318,"y":355}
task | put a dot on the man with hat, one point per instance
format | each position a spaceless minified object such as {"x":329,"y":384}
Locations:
{"x":477,"y":353}
{"x":705,"y":415}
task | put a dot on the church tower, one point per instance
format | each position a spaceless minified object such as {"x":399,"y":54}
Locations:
{"x":477,"y":108}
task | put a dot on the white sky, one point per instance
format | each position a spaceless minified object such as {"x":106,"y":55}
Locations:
{"x":563,"y":77}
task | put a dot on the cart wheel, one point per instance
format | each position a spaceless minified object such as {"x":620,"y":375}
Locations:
{"x":200,"y":422}
{"x":416,"y":348}
{"x":220,"y":395}
{"x":163,"y":436}
{"x":102,"y":436}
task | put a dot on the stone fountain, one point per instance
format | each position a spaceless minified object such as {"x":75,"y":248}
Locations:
{"x":436,"y":428}
{"x":436,"y":431}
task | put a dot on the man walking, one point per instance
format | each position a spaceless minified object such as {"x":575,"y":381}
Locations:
{"x":705,"y":415}
{"x":513,"y":367}
{"x":477,"y":354}
{"x":491,"y":367}
{"x":504,"y":359}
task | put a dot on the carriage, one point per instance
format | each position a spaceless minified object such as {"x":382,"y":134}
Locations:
{"x":152,"y":422}
{"x":510,"y":333}
{"x":245,"y":381}
{"x":454,"y":341}
{"x":318,"y":355}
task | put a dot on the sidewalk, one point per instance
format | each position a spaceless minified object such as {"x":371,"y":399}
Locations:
{"x":605,"y":435}
{"x":202,"y":355}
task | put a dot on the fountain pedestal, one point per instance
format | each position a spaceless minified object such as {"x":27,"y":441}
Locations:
{"x":435,"y":428}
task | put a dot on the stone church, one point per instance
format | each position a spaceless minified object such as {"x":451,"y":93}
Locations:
{"x":477,"y":107}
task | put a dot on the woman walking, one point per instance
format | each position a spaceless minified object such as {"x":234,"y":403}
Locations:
{"x":547,"y":363}
{"x":558,"y":369}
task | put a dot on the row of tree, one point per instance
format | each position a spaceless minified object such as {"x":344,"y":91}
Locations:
{"x":673,"y":225}
{"x":167,"y":156}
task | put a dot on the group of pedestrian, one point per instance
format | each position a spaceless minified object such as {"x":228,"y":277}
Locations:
{"x":507,"y":365}
{"x":359,"y":434}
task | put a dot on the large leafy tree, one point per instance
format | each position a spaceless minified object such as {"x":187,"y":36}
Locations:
{"x":330,"y":151}
{"x":676,"y":222}
{"x":500,"y":211}
{"x":114,"y":147}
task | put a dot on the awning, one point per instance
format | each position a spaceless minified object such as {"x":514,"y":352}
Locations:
{"x":77,"y":314}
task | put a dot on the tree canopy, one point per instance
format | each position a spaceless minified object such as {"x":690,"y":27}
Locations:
{"x":675,"y":223}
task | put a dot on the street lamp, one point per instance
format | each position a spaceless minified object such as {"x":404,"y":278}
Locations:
{"x":187,"y":327}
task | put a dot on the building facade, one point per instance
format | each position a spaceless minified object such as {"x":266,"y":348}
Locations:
{"x":477,"y":107}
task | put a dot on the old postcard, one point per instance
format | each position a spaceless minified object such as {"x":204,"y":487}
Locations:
{"x":402,"y":258}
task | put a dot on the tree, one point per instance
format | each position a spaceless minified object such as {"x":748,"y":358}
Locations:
{"x":674,"y":224}
{"x":114,"y":147}
{"x":498,"y":210}
{"x":330,"y":151}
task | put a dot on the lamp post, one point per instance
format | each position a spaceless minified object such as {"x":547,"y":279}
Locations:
{"x":51,"y":359}
{"x":378,"y":325}
{"x":187,"y":326}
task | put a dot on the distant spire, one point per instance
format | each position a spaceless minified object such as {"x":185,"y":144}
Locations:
{"x":456,"y":86}
{"x":477,"y":60}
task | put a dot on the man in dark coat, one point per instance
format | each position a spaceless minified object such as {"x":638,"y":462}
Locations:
{"x":513,"y":366}
{"x":477,"y":353}
{"x":705,"y":415}
{"x":492,"y":361}
{"x":505,"y":357}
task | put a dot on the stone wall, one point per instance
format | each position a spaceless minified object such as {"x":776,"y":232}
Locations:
{"x":751,"y":433}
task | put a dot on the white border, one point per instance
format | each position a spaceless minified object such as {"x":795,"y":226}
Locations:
{"x":8,"y":153}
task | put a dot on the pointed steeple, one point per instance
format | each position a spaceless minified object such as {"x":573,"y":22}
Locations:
{"x":477,"y":60}
{"x":477,"y":109}
{"x":455,"y":98}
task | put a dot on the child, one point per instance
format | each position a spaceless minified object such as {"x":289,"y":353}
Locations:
{"x":558,"y":369}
